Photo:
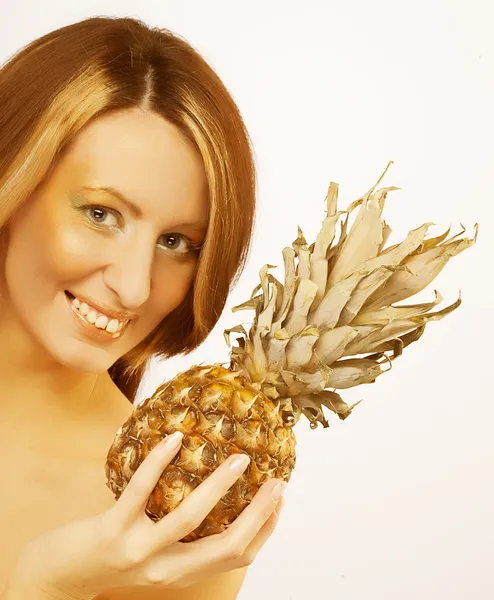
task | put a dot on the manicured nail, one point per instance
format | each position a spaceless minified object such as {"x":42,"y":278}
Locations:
{"x":279,"y":489}
{"x":239,"y":463}
{"x":279,"y":506}
{"x":173,"y":440}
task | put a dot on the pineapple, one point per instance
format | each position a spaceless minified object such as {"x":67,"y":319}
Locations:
{"x":332,"y":325}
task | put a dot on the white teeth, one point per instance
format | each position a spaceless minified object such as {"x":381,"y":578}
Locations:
{"x":101,"y":322}
{"x":97,"y":319}
{"x":113,"y":326}
{"x":92,"y":316}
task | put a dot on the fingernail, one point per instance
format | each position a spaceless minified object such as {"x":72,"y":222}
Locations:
{"x":279,"y":489}
{"x":173,"y":440}
{"x":239,"y":463}
{"x":279,"y":506}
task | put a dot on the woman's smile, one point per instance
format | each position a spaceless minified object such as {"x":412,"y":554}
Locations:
{"x":92,"y":324}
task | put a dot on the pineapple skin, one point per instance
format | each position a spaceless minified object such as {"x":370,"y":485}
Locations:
{"x":220,"y":413}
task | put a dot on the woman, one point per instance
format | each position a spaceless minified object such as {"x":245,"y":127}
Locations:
{"x":127,"y":197}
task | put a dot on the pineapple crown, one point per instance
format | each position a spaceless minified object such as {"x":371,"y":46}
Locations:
{"x":333,"y":323}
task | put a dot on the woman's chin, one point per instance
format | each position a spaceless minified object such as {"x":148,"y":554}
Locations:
{"x":88,"y":359}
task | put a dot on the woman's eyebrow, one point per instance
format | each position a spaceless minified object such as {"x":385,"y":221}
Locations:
{"x":135,"y":210}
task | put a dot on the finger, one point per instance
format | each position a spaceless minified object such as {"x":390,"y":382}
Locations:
{"x":195,"y":507}
{"x":260,"y":539}
{"x":206,"y":553}
{"x":136,"y":494}
{"x":241,"y":533}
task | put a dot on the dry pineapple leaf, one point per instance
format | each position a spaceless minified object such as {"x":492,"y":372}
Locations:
{"x":303,"y":265}
{"x":463,"y":229}
{"x":330,"y":346}
{"x":259,"y":359}
{"x":333,"y":251}
{"x":263,"y":274}
{"x":327,"y":314}
{"x":353,"y":371}
{"x":365,"y":288}
{"x":297,"y":318}
{"x":423,"y":268}
{"x":368,"y":194}
{"x":362,"y":201}
{"x":236,"y":329}
{"x":370,"y":335}
{"x":314,"y":403}
{"x":280,"y":290}
{"x":382,"y":194}
{"x":396,"y":255}
{"x":366,"y":339}
{"x":396,"y":345}
{"x":300,"y":242}
{"x":266,"y":317}
{"x":386,"y":315}
{"x":332,"y":198}
{"x":289,"y":287}
{"x":438,"y":315}
{"x":288,"y":377}
{"x":311,"y":409}
{"x":386,"y":233}
{"x":255,"y":290}
{"x":276,"y":350}
{"x":310,"y":383}
{"x":318,"y":261}
{"x":299,"y":348}
{"x":362,"y":242}
{"x":314,"y":416}
{"x":254,"y":303}
{"x":434,"y":241}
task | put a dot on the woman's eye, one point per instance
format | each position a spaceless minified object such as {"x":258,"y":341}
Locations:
{"x":176,"y":242}
{"x":97,"y":215}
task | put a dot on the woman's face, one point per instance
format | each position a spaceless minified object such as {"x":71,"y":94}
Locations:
{"x":69,"y":241}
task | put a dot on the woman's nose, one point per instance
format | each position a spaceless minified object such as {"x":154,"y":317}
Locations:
{"x":129,"y":275}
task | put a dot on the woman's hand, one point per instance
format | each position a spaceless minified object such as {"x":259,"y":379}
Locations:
{"x":122,"y":547}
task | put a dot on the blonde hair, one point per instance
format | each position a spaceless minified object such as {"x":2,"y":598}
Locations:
{"x":58,"y":83}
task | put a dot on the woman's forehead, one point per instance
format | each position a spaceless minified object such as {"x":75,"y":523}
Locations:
{"x":143,"y":160}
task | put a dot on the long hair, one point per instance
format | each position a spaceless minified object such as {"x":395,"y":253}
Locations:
{"x":57,"y":84}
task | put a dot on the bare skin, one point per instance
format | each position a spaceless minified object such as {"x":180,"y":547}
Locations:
{"x":59,"y":408}
{"x":47,"y":488}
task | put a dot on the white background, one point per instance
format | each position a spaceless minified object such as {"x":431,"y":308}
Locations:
{"x":396,"y":501}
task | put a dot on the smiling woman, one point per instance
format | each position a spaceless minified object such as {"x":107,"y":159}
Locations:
{"x":127,"y":200}
{"x":119,"y":261}
{"x":141,"y":111}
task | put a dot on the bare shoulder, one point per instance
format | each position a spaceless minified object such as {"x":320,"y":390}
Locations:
{"x":225,"y":586}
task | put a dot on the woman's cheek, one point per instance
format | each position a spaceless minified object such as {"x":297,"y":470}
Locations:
{"x":169,"y":291}
{"x":77,"y":255}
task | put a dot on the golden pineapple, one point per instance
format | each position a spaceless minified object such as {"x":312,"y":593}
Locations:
{"x":331,"y":325}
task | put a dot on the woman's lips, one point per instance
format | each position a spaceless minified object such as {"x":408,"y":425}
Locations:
{"x":98,"y":335}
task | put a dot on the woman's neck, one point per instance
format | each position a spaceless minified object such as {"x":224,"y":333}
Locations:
{"x":79,"y":423}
